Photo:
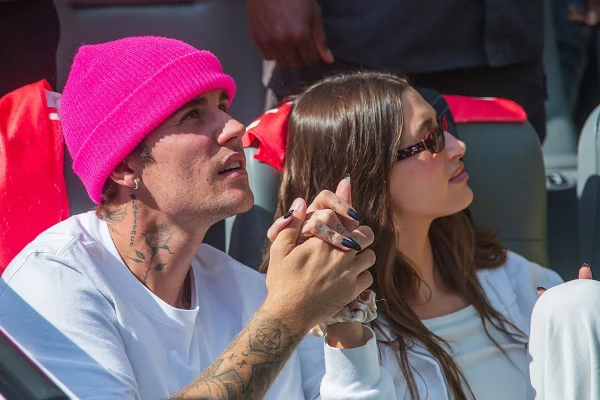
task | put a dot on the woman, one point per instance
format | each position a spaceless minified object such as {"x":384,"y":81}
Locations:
{"x":456,"y":305}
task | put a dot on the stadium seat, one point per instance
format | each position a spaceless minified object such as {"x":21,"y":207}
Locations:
{"x":588,"y":190}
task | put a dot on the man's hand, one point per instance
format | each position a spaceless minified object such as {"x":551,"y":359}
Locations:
{"x":585,"y":272}
{"x":289,"y":32}
{"x":311,"y":282}
{"x":589,"y":16}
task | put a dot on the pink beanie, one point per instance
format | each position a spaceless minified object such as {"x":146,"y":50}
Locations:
{"x":118,"y":92}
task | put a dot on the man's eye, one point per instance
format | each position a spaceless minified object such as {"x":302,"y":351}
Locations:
{"x":224,"y":107}
{"x":190,"y":115}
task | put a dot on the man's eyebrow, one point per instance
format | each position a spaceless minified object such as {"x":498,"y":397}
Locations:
{"x":223,"y":97}
{"x":195,"y":102}
{"x":425,"y":126}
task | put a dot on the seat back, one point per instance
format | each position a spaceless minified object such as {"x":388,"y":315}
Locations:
{"x":588,"y":190}
{"x":506,"y":170}
{"x":216,"y":25}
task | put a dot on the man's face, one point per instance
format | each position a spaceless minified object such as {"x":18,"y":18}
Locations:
{"x":199,"y":173}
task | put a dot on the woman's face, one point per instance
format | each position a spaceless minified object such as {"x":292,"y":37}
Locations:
{"x":426,"y":185}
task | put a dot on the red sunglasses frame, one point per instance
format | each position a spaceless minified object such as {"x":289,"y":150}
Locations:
{"x":427,"y":142}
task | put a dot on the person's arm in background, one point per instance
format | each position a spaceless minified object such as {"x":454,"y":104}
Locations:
{"x":290,"y":32}
{"x":588,"y":16}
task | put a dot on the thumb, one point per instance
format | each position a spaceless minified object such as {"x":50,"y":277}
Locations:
{"x":286,"y":240}
{"x":318,"y":36}
{"x":585,"y":272}
{"x":344,"y":190}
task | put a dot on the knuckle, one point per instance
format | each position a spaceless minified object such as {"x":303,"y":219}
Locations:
{"x":312,"y":225}
{"x":325,"y":194}
{"x":368,"y":257}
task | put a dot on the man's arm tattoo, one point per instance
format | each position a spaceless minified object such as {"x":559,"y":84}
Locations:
{"x":249,"y":365}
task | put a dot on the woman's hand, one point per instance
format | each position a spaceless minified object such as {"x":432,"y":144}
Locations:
{"x":330,"y":217}
{"x":585,"y":272}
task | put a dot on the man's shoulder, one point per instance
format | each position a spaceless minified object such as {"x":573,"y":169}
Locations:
{"x":70,"y":242}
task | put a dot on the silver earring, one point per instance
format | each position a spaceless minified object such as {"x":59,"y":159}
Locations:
{"x":137,"y":184}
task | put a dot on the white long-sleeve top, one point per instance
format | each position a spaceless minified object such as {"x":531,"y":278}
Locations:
{"x":511,"y":289}
{"x":72,"y":303}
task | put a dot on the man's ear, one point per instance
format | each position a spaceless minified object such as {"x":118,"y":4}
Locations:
{"x":126,"y":171}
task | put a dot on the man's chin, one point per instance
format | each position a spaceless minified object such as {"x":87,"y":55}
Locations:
{"x":243,"y":204}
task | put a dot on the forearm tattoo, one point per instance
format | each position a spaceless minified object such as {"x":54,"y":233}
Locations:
{"x":249,"y":365}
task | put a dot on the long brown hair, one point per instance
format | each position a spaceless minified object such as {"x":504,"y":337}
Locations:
{"x":352,"y":124}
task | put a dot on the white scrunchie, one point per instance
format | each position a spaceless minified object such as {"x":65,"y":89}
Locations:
{"x":363,"y":309}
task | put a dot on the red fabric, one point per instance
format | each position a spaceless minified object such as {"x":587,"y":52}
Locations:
{"x":271,"y":129}
{"x":33,"y":194}
{"x":484,"y":109}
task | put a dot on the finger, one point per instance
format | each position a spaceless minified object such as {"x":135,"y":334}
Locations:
{"x":540,"y":290}
{"x":330,"y":218}
{"x":307,"y":50}
{"x":318,"y":36}
{"x":362,"y":262}
{"x":317,"y":228}
{"x":344,"y":190}
{"x":364,"y":280}
{"x":328,"y":200}
{"x":364,"y":236}
{"x":575,"y":15}
{"x":287,"y":56}
{"x":278,"y":225}
{"x":285,"y":241}
{"x":585,"y":272}
{"x":591,"y":17}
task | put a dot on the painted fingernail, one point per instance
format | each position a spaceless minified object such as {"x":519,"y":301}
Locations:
{"x":586,"y":265}
{"x":353,"y":214}
{"x":351,"y":244}
{"x":541,"y":288}
{"x":288,"y":214}
{"x":347,"y":176}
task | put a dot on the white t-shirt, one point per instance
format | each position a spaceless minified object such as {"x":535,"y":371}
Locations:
{"x":70,"y":300}
{"x":489,"y":373}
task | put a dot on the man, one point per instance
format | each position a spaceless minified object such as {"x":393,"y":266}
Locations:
{"x":126,"y":302}
{"x":466,"y":47}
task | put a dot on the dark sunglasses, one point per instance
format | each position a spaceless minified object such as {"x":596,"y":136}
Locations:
{"x":434,"y":141}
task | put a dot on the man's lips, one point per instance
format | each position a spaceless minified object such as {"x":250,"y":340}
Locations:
{"x":235,"y":162}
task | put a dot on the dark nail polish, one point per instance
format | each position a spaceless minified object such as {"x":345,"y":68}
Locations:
{"x":347,"y":176}
{"x":351,"y":244}
{"x":288,"y":214}
{"x":541,"y":288}
{"x":586,"y":265}
{"x":353,"y":214}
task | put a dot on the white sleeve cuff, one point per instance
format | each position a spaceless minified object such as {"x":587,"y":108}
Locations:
{"x":355,"y":373}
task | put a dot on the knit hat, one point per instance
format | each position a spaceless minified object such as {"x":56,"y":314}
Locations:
{"x":118,"y":92}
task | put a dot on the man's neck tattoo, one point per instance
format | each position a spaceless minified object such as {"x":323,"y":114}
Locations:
{"x":135,"y":214}
{"x":156,"y":239}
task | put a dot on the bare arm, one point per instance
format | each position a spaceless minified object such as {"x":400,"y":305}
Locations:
{"x":251,"y":362}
